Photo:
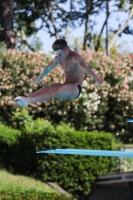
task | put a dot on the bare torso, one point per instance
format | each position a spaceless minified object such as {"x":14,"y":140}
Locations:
{"x":74,"y":68}
{"x":73,"y":73}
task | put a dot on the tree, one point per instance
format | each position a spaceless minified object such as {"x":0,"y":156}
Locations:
{"x":82,"y":12}
{"x":55,"y":18}
{"x":51,"y":14}
{"x":123,"y":28}
{"x":98,"y":44}
{"x":7,"y":34}
{"x":116,"y":7}
{"x":32,"y":43}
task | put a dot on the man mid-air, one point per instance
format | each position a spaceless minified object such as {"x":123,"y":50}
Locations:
{"x":74,"y":68}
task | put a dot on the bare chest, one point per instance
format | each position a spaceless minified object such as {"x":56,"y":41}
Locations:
{"x":67,"y":66}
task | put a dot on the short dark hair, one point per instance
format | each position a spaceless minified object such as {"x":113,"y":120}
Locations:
{"x":59,"y":44}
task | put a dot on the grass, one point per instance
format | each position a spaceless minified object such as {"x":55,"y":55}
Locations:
{"x":9,"y":181}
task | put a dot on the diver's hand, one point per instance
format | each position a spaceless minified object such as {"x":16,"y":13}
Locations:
{"x":99,"y":81}
{"x":36,"y":80}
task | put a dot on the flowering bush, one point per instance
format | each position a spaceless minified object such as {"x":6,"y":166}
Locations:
{"x":115,"y":98}
{"x":17,"y":70}
{"x":107,"y":108}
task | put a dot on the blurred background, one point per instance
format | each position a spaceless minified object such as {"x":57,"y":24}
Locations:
{"x":101,"y":31}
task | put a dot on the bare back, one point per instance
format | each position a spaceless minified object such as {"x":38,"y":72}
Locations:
{"x":73,"y":73}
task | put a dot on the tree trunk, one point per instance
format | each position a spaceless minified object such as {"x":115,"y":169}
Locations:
{"x":86,"y":32}
{"x":86,"y":24}
{"x":99,"y":37}
{"x":121,"y":29}
{"x":52,"y":20}
{"x":7,"y":34}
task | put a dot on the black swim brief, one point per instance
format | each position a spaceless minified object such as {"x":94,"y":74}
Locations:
{"x":80,"y":89}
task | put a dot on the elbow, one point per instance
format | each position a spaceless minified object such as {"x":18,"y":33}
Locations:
{"x":47,"y":70}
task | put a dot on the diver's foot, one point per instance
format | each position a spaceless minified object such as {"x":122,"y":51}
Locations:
{"x":21,"y":101}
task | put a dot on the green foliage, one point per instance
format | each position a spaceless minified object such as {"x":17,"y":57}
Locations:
{"x":75,"y":173}
{"x":8,"y":134}
{"x":8,"y":138}
{"x":16,"y":149}
{"x":31,"y":194}
{"x":22,"y":118}
{"x":112,"y":104}
{"x":16,"y":71}
{"x":25,"y":122}
{"x":9,"y":181}
{"x":2,"y":51}
{"x":37,"y":44}
{"x":46,"y":12}
{"x":31,"y":43}
{"x":75,"y":14}
{"x":106,"y":109}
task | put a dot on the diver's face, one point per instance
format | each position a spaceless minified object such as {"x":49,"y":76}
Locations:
{"x":63,"y":54}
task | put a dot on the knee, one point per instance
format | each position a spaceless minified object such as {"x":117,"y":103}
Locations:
{"x":54,"y":92}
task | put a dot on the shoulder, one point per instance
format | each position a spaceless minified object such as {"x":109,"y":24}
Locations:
{"x":76,"y":57}
{"x":55,"y":60}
